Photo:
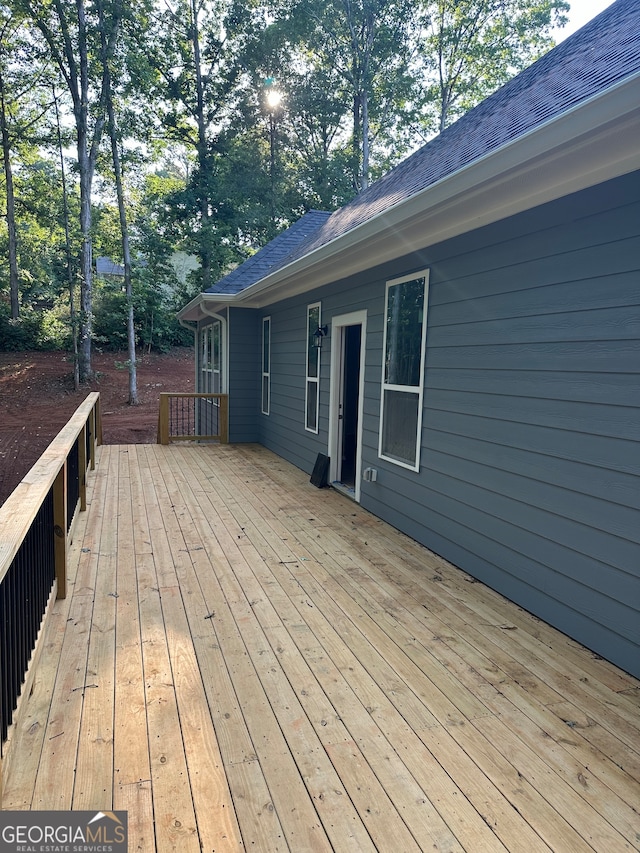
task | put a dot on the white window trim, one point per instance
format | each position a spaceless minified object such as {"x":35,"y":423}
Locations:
{"x":419,"y":389}
{"x":312,"y":380}
{"x":210,"y":369}
{"x":205,"y":359}
{"x":216,"y":328}
{"x":205,"y":375}
{"x":266,"y":374}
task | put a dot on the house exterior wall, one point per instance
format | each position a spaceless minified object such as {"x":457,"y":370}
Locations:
{"x":244,"y":331}
{"x":283,"y":430}
{"x":531,"y":457}
{"x":241,"y":378}
{"x":530,"y":449}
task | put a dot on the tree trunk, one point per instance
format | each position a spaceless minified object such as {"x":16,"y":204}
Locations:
{"x":72,"y":58}
{"x":364,"y":176}
{"x":126,"y":253}
{"x":122,"y":210}
{"x":357,"y":129}
{"x":11,"y":218}
{"x":81,"y":111}
{"x":86,"y":262}
{"x":203,"y":154}
{"x":67,"y":242}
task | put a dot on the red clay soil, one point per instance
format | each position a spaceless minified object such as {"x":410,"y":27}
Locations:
{"x":37,"y":399}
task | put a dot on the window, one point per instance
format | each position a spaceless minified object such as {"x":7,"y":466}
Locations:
{"x":216,"y":357}
{"x":205,"y":362}
{"x":210,"y":378}
{"x":266,"y":365}
{"x":405,"y":326}
{"x":313,"y":369}
{"x":211,"y":358}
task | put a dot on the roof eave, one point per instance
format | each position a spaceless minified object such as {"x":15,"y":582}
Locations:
{"x":205,"y":306}
{"x":593,"y":142}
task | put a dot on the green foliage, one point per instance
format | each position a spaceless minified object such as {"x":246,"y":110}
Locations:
{"x":39,"y":327}
{"x":209,"y":167}
{"x":40,"y":227}
{"x":21,"y":334}
{"x":471,"y":47}
{"x":156,"y":326}
{"x":362,"y":49}
{"x":43,"y":279}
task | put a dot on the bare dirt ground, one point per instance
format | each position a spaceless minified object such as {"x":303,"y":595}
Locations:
{"x":37,"y":399}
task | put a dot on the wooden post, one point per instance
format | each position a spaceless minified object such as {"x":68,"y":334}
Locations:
{"x":224,"y":419}
{"x":92,"y":443}
{"x":163,"y":419}
{"x":82,"y":467}
{"x":60,"y":530}
{"x":98,"y":411}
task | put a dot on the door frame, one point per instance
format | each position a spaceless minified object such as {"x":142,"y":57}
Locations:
{"x":338,"y":324}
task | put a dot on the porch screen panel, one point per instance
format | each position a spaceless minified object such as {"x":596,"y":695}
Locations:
{"x":207,"y":411}
{"x":216,"y":358}
{"x":205,"y":360}
{"x":211,"y":358}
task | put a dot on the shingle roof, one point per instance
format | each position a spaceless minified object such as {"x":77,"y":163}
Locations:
{"x":271,"y":256}
{"x":105,"y":266}
{"x":595,"y":58}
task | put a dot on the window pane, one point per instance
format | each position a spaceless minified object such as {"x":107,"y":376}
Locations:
{"x":265,"y":395}
{"x":400,"y":426}
{"x":266,"y":328}
{"x":205,"y":349}
{"x":405,"y":312}
{"x":312,"y":406}
{"x":205,"y":381}
{"x":312,"y":351}
{"x":215,"y":345}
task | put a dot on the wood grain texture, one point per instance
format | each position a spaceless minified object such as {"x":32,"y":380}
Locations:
{"x":279,"y":670}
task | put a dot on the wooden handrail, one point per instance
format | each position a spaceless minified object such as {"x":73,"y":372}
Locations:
{"x":21,"y":507}
{"x":40,"y":506}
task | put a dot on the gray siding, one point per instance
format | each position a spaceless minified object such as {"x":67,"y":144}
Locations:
{"x":531,"y":437}
{"x":283,"y":430}
{"x":244,"y":374}
{"x":530,"y":462}
{"x":243,"y":334}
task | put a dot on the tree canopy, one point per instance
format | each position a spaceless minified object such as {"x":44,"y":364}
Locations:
{"x":199,"y":129}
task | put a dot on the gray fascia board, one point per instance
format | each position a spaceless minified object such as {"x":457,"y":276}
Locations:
{"x":592,"y":142}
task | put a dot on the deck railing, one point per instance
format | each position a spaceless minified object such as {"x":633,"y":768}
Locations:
{"x":193,"y":417}
{"x":36,"y":525}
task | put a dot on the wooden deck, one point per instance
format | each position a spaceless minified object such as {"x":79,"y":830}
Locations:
{"x":245,"y":662}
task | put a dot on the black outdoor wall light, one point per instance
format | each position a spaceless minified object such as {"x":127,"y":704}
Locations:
{"x":320,"y":333}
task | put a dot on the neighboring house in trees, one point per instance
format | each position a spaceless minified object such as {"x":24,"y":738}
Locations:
{"x":478,"y":385}
{"x":183,"y":264}
{"x":106,"y":268}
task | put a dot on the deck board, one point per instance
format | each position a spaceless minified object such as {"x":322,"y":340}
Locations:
{"x":245,"y":662}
